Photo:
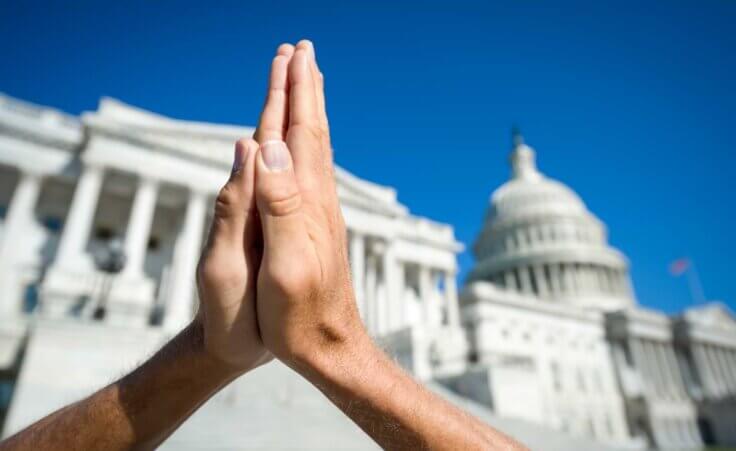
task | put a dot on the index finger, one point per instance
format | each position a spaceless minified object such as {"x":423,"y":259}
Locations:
{"x":273,"y":121}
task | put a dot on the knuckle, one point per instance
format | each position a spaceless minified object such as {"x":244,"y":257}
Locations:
{"x":227,"y":199}
{"x":214,"y":273}
{"x":291,"y":280}
{"x":283,"y":201}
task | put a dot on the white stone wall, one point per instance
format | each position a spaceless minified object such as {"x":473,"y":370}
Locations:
{"x":568,"y":353}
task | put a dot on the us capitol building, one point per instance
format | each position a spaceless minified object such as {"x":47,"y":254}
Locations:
{"x":101,"y":222}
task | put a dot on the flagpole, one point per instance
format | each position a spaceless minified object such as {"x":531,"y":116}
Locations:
{"x":696,"y":288}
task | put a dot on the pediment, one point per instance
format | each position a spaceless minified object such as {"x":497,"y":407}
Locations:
{"x":714,"y":314}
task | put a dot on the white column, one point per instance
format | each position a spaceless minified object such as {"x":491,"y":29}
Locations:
{"x":718,"y":379}
{"x":702,"y":366}
{"x":400,"y":289}
{"x":610,"y":280}
{"x":509,"y":281}
{"x":592,"y":279}
{"x":370,"y":294}
{"x":731,"y":361}
{"x":731,"y":381}
{"x":541,"y":281}
{"x":139,"y":227}
{"x":180,"y":308}
{"x":727,"y":381}
{"x":526,"y":284}
{"x":425,"y":292}
{"x":451,"y":301}
{"x":388,"y":309}
{"x":554,"y":278}
{"x":675,"y":368}
{"x":600,"y":280}
{"x":18,"y":218}
{"x":570,"y":285}
{"x":664,"y":364}
{"x":580,"y":277}
{"x":650,"y":361}
{"x":80,"y":216}
{"x":639,"y":357}
{"x":20,"y":211}
{"x":357,"y":266}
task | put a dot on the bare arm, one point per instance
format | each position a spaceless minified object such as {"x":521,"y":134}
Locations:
{"x":306,"y":306}
{"x":140,"y":410}
{"x":394,"y":409}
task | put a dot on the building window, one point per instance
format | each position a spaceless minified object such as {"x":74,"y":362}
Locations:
{"x":30,"y":298}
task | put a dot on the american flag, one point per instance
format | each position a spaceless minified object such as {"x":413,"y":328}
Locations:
{"x":679,"y":266}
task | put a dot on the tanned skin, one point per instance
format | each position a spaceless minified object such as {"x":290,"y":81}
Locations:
{"x":295,"y":258}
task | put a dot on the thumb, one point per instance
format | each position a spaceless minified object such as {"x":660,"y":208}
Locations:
{"x":278,"y":198}
{"x":235,"y":201}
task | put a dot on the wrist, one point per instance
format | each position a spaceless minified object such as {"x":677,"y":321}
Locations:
{"x":219,"y":369}
{"x":339,"y":364}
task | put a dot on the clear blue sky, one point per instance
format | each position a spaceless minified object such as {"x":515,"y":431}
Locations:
{"x":631,"y":104}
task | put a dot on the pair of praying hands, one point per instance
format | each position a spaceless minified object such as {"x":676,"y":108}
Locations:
{"x":273,"y":281}
{"x":273,"y":278}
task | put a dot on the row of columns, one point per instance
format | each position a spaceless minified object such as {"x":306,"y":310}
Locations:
{"x":558,"y":279}
{"x":19,"y":216}
{"x":716,"y":367}
{"x":522,"y":238}
{"x":78,"y":226}
{"x":379,"y":281}
{"x":657,"y":365}
{"x":379,"y":277}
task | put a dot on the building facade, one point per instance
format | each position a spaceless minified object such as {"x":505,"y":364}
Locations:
{"x":102,"y":218}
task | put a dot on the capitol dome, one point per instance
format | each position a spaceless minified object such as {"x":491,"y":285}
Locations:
{"x":540,"y":239}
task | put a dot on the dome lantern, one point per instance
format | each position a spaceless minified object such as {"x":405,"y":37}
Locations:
{"x":523,"y":158}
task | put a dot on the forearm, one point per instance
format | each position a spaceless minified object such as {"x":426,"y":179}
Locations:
{"x":140,"y":410}
{"x":394,"y":409}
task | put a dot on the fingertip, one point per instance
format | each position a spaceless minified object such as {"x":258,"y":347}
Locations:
{"x":305,"y":44}
{"x":245,"y":147}
{"x":285,"y":49}
{"x":250,"y":147}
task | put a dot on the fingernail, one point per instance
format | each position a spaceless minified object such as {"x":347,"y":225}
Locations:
{"x":238,"y":159}
{"x":275,"y":155}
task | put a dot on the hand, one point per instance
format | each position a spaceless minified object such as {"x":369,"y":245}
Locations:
{"x":226,"y":274}
{"x":306,"y":307}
